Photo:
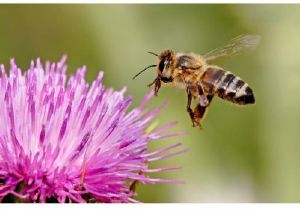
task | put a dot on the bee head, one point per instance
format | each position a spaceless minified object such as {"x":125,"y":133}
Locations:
{"x":166,"y":60}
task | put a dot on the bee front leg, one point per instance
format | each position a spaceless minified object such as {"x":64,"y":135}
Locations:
{"x":157,"y":83}
{"x":157,"y":86}
{"x":150,"y":84}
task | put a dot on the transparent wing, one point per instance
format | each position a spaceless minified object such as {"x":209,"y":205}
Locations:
{"x":235,"y":46}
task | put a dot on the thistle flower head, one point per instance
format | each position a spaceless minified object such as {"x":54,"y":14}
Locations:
{"x":68,"y":141}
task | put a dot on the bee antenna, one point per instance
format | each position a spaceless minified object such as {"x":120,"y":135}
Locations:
{"x":153,"y":54}
{"x":143,"y":71}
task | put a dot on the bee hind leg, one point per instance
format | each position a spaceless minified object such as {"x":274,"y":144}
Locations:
{"x":203,"y":99}
{"x":200,"y":111}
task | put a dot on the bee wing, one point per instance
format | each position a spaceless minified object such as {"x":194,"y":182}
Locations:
{"x":235,"y":46}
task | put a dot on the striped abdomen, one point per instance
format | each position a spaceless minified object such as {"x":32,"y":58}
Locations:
{"x":227,"y":86}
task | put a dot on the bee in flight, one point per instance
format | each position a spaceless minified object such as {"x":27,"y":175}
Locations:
{"x":201,"y":80}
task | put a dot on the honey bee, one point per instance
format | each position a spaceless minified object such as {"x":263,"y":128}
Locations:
{"x":201,"y":80}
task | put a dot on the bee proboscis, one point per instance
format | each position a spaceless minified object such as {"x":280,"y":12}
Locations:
{"x":201,"y":80}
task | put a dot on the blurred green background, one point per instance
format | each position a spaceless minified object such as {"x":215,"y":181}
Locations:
{"x":244,"y":154}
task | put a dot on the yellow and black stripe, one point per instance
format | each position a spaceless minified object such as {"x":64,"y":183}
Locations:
{"x":227,"y":86}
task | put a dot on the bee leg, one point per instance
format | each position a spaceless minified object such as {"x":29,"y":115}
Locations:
{"x":150,"y":84}
{"x":202,"y":97}
{"x":157,"y":83}
{"x":157,"y":86}
{"x":200,"y":111}
{"x":188,"y":106}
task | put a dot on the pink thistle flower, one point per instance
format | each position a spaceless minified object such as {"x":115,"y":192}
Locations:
{"x":63,"y":140}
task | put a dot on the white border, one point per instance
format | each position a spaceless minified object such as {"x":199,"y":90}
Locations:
{"x":150,"y":1}
{"x":151,"y":207}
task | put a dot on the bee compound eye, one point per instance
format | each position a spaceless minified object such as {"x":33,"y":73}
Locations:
{"x":163,"y":64}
